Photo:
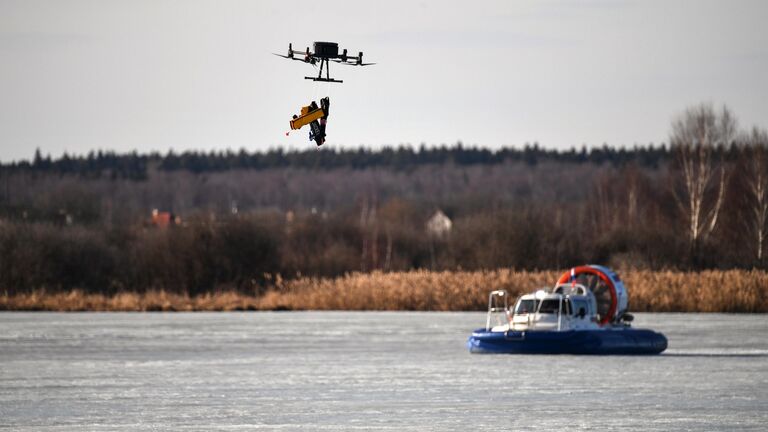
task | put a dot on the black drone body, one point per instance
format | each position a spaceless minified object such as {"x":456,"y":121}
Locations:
{"x":324,"y":53}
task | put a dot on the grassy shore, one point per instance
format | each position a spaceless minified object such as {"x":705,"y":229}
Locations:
{"x":649,"y":291}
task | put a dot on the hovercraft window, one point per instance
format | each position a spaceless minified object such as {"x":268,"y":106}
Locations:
{"x":550,"y":306}
{"x":525,"y":306}
{"x":580,"y":304}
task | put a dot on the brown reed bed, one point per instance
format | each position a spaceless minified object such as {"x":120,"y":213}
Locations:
{"x":649,"y":291}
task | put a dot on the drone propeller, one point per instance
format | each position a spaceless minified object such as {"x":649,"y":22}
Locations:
{"x":311,"y":61}
{"x":351,"y":63}
{"x":288,"y":57}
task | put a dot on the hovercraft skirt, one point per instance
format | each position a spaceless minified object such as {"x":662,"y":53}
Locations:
{"x":627,"y":341}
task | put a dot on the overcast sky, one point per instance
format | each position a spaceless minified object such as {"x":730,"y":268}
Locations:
{"x":78,"y":75}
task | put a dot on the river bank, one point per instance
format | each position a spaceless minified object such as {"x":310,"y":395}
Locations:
{"x":649,"y":291}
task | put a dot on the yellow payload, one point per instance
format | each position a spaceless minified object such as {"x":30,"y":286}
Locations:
{"x":314,"y":116}
{"x":308,"y":115}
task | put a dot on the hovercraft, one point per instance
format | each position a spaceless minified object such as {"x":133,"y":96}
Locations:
{"x":585,"y":313}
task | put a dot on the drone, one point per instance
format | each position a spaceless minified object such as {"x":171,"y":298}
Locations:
{"x":324,"y":53}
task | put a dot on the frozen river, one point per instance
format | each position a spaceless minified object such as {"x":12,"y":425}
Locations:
{"x":364,"y":370}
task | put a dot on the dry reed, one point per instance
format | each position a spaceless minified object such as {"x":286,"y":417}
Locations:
{"x":651,"y":291}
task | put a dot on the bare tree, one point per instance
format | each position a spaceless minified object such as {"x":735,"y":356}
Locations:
{"x":756,"y":180}
{"x":369,"y":228}
{"x":695,"y":136}
{"x":605,"y":211}
{"x":632,"y":179}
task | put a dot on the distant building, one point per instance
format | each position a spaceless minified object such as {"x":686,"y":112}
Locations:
{"x":439,"y":225}
{"x":164,"y":219}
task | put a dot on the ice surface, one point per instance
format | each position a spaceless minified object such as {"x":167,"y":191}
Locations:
{"x":365,"y":370}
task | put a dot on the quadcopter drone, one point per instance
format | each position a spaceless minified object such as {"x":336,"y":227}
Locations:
{"x":324,"y":53}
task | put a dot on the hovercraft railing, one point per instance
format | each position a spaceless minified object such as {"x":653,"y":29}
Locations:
{"x":497,"y":303}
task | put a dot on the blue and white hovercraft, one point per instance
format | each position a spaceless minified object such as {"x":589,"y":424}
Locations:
{"x":585,"y":313}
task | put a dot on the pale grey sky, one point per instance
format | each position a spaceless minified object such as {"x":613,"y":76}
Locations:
{"x":152,"y":75}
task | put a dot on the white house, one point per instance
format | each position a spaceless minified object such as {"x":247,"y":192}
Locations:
{"x":439,"y":225}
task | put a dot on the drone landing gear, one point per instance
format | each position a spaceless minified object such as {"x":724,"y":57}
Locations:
{"x":327,"y":78}
{"x":324,"y":79}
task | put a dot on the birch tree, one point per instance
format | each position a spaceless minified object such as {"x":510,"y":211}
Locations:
{"x":756,"y":180}
{"x":695,"y":136}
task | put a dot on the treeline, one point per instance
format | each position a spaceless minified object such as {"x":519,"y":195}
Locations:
{"x":250,"y":252}
{"x":135,"y":166}
{"x":701,"y":203}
